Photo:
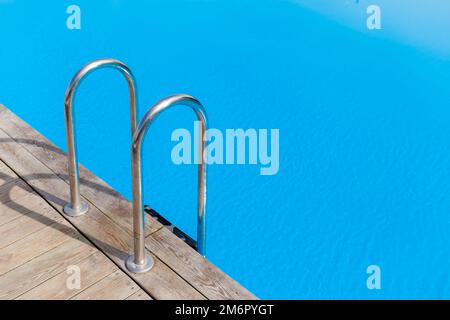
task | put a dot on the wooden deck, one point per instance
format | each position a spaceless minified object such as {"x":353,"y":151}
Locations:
{"x":39,"y":245}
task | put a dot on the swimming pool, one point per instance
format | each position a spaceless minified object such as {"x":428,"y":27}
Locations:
{"x":364,"y":153}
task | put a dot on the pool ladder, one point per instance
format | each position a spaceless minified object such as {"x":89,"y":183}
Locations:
{"x":140,"y":261}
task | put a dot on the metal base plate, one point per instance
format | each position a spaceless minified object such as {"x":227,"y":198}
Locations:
{"x":136,"y":268}
{"x":84,"y":207}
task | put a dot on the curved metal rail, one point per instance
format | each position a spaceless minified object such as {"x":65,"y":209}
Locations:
{"x":76,"y":206}
{"x":140,"y":261}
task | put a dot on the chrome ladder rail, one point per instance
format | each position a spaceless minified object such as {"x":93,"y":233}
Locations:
{"x":140,"y":261}
{"x":77,"y":207}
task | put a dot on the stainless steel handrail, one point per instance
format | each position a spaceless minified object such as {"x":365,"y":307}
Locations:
{"x":140,"y":261}
{"x":76,"y":206}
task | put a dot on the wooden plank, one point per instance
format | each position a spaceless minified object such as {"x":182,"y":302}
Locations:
{"x":6,"y":174}
{"x":14,"y":190}
{"x":43,"y":267}
{"x":207,"y":278}
{"x":97,"y":191}
{"x":116,"y":286}
{"x":12,"y":210}
{"x":161,"y":283}
{"x":92,"y":269}
{"x":139,"y":295}
{"x":34,"y":245}
{"x":40,"y":216}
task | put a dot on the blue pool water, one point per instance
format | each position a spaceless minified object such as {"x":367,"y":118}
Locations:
{"x":363,"y":115}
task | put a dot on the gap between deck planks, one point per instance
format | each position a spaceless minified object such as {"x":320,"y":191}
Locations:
{"x":179,"y":272}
